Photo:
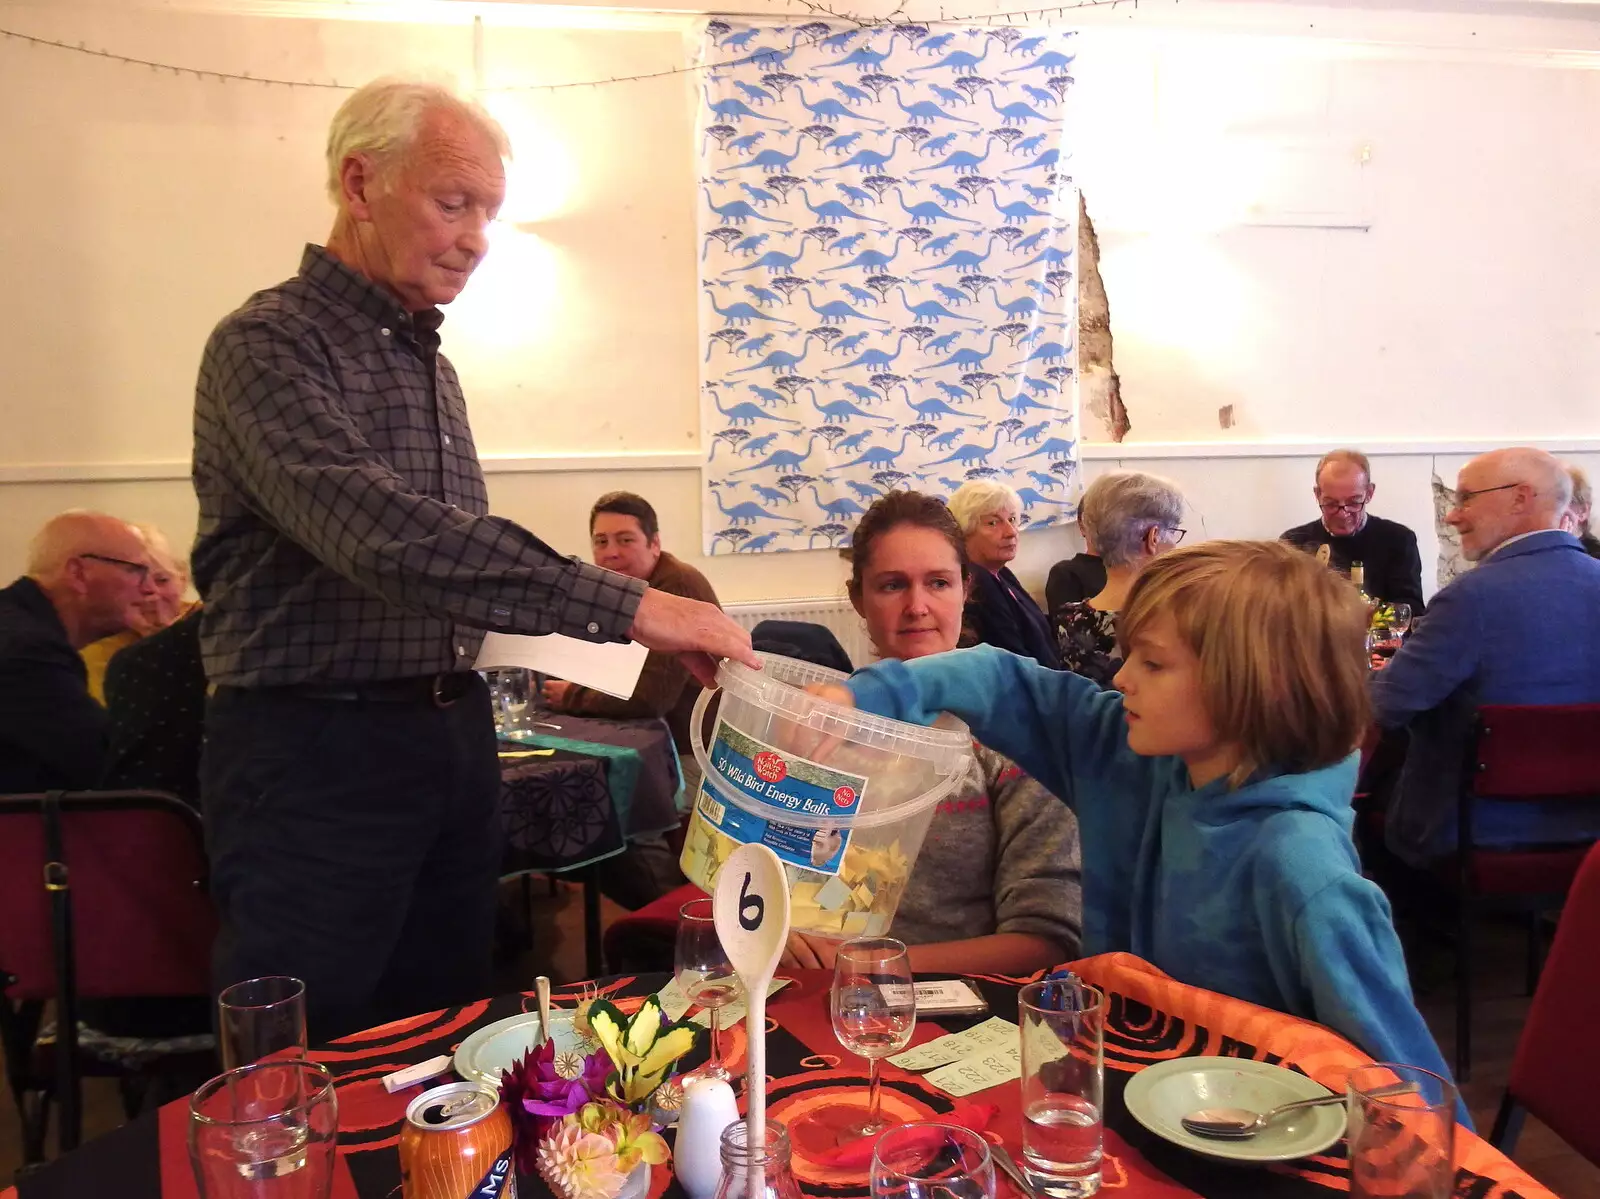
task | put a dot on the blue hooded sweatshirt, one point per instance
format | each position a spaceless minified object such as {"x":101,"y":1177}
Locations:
{"x":1253,"y":892}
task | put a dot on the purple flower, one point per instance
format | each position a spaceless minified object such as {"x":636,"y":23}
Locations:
{"x":538,"y":1097}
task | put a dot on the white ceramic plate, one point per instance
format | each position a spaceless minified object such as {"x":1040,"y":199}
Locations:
{"x":495,"y":1047}
{"x":1159,"y":1096}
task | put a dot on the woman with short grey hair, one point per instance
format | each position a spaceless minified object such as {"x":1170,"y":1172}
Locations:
{"x":999,"y":611}
{"x":1131,"y":518}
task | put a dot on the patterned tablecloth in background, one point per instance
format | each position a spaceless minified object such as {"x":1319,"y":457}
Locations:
{"x":603,"y":781}
{"x":1151,"y":1018}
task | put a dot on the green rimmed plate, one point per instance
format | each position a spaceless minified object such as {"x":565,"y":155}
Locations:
{"x":1159,"y":1096}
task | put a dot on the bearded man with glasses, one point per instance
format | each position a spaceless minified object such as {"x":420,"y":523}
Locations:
{"x":1386,"y":549}
{"x":88,"y":575}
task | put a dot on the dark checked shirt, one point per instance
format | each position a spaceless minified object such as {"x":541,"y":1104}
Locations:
{"x":344,"y":534}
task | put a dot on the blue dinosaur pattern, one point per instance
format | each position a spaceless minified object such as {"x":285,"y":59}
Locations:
{"x":888,"y":235}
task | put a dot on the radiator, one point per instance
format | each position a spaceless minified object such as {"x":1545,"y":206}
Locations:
{"x":834,"y":613}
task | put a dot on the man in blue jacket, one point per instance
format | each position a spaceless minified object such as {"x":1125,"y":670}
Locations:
{"x":1519,"y":629}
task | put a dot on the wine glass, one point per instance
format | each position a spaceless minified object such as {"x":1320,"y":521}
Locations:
{"x":874,"y":1009}
{"x":1400,"y":621}
{"x":706,"y":976}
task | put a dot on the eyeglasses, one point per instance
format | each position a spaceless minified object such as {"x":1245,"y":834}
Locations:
{"x":137,"y":569}
{"x":1332,"y":506}
{"x":1464,"y":495}
{"x":1177,"y":533}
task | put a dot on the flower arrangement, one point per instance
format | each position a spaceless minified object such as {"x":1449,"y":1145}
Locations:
{"x":580,"y":1122}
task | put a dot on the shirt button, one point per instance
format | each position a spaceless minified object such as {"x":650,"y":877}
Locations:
{"x":461,"y":651}
{"x":385,"y":332}
{"x":594,"y":626}
{"x":447,"y":439}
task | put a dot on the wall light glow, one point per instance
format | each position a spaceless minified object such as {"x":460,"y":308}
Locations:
{"x":513,"y":295}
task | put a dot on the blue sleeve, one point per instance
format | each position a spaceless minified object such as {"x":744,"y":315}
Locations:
{"x":1059,"y":727}
{"x":1351,"y":967}
{"x":1438,"y":658}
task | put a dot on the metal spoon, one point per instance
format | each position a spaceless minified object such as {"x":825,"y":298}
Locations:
{"x":1008,"y":1164}
{"x":1240,"y":1124}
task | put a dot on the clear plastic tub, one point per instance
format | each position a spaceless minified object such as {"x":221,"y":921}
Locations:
{"x":843,"y":797}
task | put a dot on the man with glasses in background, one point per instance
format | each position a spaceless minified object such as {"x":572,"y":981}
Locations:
{"x":1386,"y":549}
{"x":1518,"y":629}
{"x":87,"y":575}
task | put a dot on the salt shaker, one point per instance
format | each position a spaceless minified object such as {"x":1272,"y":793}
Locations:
{"x":708,"y":1108}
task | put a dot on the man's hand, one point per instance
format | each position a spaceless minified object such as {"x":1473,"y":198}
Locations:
{"x":700,"y":634}
{"x":555,"y":692}
{"x":809,"y":953}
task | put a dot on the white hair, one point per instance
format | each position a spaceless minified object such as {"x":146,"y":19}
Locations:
{"x":381,"y":120}
{"x":1120,"y":507}
{"x":976,"y":499}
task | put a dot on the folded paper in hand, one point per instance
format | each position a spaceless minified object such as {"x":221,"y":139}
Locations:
{"x":610,"y":666}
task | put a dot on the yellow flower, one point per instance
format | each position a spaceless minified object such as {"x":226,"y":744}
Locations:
{"x":579,"y":1164}
{"x":638,"y":1142}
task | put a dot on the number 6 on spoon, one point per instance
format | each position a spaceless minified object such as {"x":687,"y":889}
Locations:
{"x":751,"y":911}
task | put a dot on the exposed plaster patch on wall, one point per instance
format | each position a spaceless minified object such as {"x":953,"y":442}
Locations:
{"x":1099,"y":389}
{"x":1451,"y":563}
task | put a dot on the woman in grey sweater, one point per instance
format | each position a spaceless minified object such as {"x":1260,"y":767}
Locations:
{"x":995,"y":889}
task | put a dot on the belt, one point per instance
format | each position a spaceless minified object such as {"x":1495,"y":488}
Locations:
{"x":440,"y":690}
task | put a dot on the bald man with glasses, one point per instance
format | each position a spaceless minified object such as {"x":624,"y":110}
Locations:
{"x":1386,"y":549}
{"x":87,"y":575}
{"x":1519,"y":628}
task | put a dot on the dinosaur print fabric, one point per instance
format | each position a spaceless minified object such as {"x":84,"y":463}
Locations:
{"x":888,"y":273}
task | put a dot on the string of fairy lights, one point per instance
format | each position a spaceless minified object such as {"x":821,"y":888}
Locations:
{"x":816,"y":12}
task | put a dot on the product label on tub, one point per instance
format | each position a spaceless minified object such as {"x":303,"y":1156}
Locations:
{"x":780,"y":780}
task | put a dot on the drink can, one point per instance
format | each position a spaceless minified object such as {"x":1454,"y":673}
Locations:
{"x":456,"y":1144}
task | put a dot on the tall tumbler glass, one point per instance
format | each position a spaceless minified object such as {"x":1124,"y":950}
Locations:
{"x":267,"y":1131}
{"x":1063,"y":1075}
{"x":261,"y":1017}
{"x":1401,"y":1146}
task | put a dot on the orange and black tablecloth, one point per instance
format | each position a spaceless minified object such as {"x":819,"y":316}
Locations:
{"x":1152,"y":1017}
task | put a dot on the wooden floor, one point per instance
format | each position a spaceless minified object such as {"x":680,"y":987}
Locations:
{"x":558,"y":930}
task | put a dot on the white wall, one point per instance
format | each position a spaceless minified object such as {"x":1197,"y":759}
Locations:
{"x":136,"y":208}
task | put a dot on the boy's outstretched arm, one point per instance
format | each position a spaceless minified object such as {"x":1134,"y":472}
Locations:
{"x":1050,"y":722}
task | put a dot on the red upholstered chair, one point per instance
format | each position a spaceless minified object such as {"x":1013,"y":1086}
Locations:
{"x":103,"y":896}
{"x":1558,"y":1057}
{"x":643,"y":940}
{"x":1519,"y":752}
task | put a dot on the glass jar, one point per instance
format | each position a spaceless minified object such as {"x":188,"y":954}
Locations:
{"x":769,"y":1164}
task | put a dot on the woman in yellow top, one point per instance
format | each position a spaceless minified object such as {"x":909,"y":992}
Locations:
{"x":169,"y":574}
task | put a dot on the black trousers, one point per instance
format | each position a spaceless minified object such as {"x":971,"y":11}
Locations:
{"x":355,"y":845}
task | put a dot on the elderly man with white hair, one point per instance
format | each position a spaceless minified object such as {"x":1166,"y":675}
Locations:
{"x":87,"y":576}
{"x":999,"y":612}
{"x":1518,"y":629}
{"x":349,"y":566}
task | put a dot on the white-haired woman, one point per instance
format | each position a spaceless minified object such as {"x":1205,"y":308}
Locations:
{"x":999,"y":611}
{"x":1131,"y":518}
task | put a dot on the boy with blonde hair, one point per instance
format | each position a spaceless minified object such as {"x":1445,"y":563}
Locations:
{"x":1213,"y":790}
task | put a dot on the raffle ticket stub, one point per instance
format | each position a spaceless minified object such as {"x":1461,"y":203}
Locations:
{"x":964,"y":1062}
{"x":674,"y":1003}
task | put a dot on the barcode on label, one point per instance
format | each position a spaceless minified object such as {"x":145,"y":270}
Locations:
{"x":711,"y":809}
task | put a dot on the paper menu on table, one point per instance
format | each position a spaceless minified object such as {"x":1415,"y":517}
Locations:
{"x":610,"y":666}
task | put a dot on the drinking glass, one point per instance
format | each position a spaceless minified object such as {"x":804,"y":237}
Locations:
{"x":261,"y":1017}
{"x":513,"y":692}
{"x":1063,"y":1073}
{"x":874,"y":1009}
{"x":932,"y":1161}
{"x":706,"y":976}
{"x":266,"y":1131}
{"x":1401,"y":1146}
